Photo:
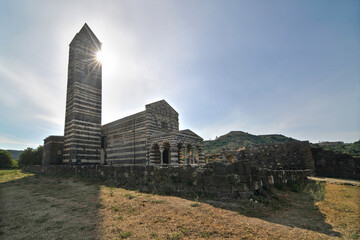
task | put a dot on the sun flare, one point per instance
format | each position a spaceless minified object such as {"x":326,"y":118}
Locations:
{"x":99,"y":56}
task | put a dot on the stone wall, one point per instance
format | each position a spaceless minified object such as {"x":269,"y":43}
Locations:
{"x":125,"y":140}
{"x":53,"y":150}
{"x":331,"y":164}
{"x":224,"y":180}
{"x":289,"y":156}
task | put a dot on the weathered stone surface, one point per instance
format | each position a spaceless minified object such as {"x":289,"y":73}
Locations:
{"x":82,"y":133}
{"x":207,"y":179}
{"x":331,"y":164}
{"x":291,"y":155}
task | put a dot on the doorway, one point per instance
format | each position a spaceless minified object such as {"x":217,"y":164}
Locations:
{"x":165,"y":156}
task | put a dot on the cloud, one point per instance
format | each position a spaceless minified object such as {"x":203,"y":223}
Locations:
{"x":232,"y":66}
{"x":9,"y":142}
{"x":32,"y":96}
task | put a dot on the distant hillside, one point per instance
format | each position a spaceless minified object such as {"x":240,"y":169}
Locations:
{"x":352,"y":149}
{"x":15,"y":154}
{"x":237,"y":139}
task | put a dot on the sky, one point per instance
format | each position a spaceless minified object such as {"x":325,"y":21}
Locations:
{"x":263,"y":67}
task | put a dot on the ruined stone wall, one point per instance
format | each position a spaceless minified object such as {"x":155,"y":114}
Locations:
{"x":217,"y":179}
{"x":289,"y":156}
{"x":125,"y":140}
{"x":331,"y":164}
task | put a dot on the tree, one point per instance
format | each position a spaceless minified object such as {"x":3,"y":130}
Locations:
{"x":31,"y":156}
{"x":38,"y":155}
{"x":26,"y":157}
{"x":5,"y":159}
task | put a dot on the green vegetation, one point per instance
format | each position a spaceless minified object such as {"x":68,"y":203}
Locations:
{"x":237,"y":139}
{"x":195,"y":204}
{"x":125,"y":235}
{"x":5,"y":160}
{"x":14,"y":163}
{"x":158,"y":201}
{"x":19,"y":158}
{"x":316,"y":190}
{"x":11,"y":175}
{"x":31,"y":156}
{"x":352,"y":149}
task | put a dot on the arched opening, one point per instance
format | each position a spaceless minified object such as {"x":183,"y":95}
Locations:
{"x":165,"y":156}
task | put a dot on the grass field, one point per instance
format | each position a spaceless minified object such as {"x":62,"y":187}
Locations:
{"x":51,"y":207}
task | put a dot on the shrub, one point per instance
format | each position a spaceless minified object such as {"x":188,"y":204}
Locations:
{"x":316,"y":190}
{"x":5,"y":159}
{"x":14,"y":163}
{"x":195,"y":204}
{"x":31,"y":156}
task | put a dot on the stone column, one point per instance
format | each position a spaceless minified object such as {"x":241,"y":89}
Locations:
{"x":102,"y":157}
{"x":201,"y":155}
{"x":161,"y":155}
{"x":152,"y":156}
{"x":196,"y":152}
{"x":185,"y":153}
{"x":174,"y":156}
{"x":191,"y":157}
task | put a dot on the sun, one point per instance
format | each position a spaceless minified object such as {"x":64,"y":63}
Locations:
{"x":107,"y":60}
{"x":99,"y":56}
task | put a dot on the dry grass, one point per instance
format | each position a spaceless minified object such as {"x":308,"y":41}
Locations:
{"x":42,"y":207}
{"x":48,"y":207}
{"x":342,"y":209}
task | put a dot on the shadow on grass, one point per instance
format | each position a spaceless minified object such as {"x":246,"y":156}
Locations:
{"x":48,"y":207}
{"x":284,"y":205}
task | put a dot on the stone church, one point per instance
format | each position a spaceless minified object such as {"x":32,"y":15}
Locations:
{"x":149,"y":137}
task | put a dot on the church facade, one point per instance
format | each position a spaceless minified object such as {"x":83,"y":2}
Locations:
{"x":149,"y":137}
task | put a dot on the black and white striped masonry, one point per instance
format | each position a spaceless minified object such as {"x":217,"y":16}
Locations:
{"x":82,"y":133}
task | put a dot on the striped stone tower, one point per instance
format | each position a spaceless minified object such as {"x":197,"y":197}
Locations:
{"x":82,"y":133}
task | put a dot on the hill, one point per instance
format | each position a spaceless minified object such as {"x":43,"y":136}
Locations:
{"x":15,"y":154}
{"x":352,"y":149}
{"x":237,"y":139}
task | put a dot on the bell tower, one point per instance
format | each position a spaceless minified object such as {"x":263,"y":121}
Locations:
{"x":82,"y":133}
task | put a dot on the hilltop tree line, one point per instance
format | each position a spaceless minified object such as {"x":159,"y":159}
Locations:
{"x":238,"y":139}
{"x":29,"y":156}
{"x":352,"y":149}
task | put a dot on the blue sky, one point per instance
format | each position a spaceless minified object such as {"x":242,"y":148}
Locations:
{"x":287,"y":67}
